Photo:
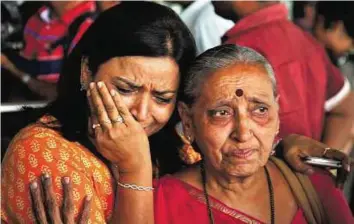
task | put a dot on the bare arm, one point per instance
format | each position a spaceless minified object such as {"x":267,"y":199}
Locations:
{"x":124,"y":143}
{"x":44,"y":89}
{"x":339,"y":124}
{"x":133,"y":206}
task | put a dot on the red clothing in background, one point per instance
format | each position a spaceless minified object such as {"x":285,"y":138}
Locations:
{"x":44,"y":29}
{"x":308,"y":83}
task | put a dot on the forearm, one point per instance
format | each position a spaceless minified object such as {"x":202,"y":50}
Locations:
{"x":134,"y":206}
{"x":339,"y":124}
{"x":338,"y":131}
{"x":33,"y":66}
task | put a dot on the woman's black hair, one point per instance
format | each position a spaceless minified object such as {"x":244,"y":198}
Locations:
{"x":128,"y":29}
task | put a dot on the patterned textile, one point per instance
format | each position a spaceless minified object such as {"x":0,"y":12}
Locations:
{"x":38,"y":149}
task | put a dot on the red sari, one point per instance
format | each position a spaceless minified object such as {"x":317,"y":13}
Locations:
{"x":178,"y":202}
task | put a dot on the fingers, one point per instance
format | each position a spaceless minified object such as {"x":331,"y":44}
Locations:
{"x":99,"y":108}
{"x":86,"y":211}
{"x":50,"y":202}
{"x":298,"y":164}
{"x":94,"y":121}
{"x":68,"y":204}
{"x":108,"y":102}
{"x":37,"y":203}
{"x":121,"y":107}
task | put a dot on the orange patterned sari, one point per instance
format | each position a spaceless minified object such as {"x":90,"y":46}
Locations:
{"x":38,"y":149}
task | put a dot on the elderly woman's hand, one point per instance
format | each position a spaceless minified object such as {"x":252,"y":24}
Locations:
{"x":118,"y":136}
{"x":296,"y":147}
{"x":47,"y":210}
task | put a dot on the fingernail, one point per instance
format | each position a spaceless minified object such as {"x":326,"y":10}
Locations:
{"x":309,"y":171}
{"x":88,"y":93}
{"x":46,"y":176}
{"x":92,"y":85}
{"x":66,"y":180}
{"x":100,"y":84}
{"x":113,"y":92}
{"x":88,"y":198}
{"x":347,"y":168}
{"x":34,"y":185}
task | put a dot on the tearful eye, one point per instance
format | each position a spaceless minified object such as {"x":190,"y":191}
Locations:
{"x":260,"y":111}
{"x":219,"y":113}
{"x":163,"y":100}
{"x":124,"y":91}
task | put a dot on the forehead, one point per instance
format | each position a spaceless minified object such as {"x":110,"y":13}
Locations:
{"x":252,"y":79}
{"x":163,"y":70}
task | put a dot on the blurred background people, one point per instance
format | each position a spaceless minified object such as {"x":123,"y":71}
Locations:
{"x":48,"y":36}
{"x":304,"y":13}
{"x":206,"y":26}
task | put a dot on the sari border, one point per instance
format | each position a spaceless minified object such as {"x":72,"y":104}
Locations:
{"x":199,"y":196}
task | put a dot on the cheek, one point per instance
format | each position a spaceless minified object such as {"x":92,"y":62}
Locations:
{"x":265,"y":135}
{"x":211,"y":139}
{"x":162,"y":113}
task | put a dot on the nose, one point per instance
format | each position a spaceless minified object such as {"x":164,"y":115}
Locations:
{"x":242,"y":131}
{"x":140,"y":108}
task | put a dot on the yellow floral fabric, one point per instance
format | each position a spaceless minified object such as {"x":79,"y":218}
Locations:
{"x":38,"y":149}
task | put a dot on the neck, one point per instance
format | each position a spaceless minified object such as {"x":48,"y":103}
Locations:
{"x":60,"y":8}
{"x":231,"y":187}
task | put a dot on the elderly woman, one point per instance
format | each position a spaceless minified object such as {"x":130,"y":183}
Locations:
{"x":135,"y":65}
{"x":230,"y":114}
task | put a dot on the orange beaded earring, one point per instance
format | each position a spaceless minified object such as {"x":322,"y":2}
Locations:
{"x":187,"y":153}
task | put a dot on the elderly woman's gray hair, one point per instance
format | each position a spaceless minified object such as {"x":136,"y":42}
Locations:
{"x":220,"y":57}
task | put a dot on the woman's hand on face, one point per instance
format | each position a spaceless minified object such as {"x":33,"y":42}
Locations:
{"x":47,"y":210}
{"x":119,"y":137}
{"x":296,"y":147}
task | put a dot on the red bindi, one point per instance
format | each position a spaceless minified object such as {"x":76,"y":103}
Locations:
{"x":239,"y":92}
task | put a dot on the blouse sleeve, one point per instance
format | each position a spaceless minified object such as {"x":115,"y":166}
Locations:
{"x":28,"y":157}
{"x":332,"y":198}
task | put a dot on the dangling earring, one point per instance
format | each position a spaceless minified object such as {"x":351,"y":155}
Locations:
{"x":187,"y":152}
{"x":276,"y":142}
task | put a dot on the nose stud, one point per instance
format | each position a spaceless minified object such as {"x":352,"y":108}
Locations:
{"x":239,"y":92}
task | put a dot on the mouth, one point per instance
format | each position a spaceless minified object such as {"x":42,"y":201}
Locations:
{"x":241,"y":153}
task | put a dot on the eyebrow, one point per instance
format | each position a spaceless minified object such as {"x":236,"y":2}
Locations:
{"x":133,"y":85}
{"x":130,"y":83}
{"x":254,"y":99}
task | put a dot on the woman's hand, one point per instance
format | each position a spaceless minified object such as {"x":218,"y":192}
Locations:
{"x":118,"y":136}
{"x":47,"y":210}
{"x":296,"y":147}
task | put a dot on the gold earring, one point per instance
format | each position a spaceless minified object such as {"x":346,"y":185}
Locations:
{"x":187,"y":152}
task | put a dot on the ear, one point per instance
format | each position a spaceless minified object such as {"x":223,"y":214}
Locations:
{"x":86,"y":74}
{"x":185,"y":115}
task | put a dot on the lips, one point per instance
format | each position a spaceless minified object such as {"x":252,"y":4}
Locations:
{"x":241,"y":153}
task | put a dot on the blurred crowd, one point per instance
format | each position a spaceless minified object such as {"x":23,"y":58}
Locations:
{"x":36,"y":37}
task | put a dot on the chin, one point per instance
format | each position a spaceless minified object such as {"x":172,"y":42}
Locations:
{"x":242,"y":170}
